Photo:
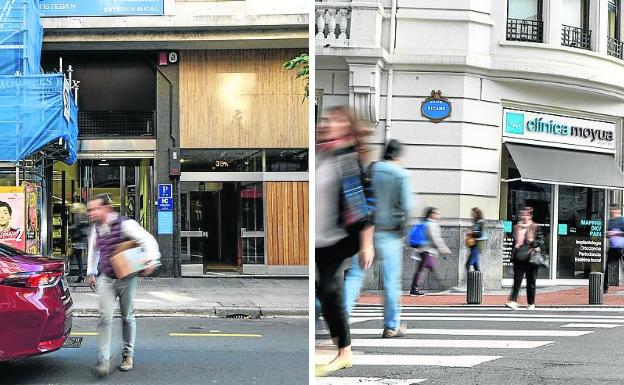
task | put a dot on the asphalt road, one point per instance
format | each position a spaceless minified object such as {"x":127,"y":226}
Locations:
{"x":266,"y":351}
{"x":485,"y":346}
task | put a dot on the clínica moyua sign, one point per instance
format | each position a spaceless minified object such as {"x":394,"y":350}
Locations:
{"x":436,"y":108}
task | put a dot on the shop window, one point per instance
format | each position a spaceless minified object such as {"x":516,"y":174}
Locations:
{"x":287,"y":160}
{"x":222,"y":160}
{"x":580,"y":241}
{"x":519,"y":195}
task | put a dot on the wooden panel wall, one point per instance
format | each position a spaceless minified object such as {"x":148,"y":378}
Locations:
{"x":287,"y":223}
{"x":241,"y":99}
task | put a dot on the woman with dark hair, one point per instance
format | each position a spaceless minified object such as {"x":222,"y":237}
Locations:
{"x":429,"y":252}
{"x":527,"y":237}
{"x":343,"y":223}
{"x":474,"y":238}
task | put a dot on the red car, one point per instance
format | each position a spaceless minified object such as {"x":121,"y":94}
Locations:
{"x":35,"y":305}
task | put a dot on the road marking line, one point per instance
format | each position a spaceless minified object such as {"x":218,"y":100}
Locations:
{"x":353,"y":320}
{"x":479,"y":332}
{"x":604,"y":326}
{"x":83,"y":334}
{"x":363,"y":381}
{"x":508,"y":314}
{"x":440,"y":343}
{"x":466,"y":361}
{"x":214,"y":335}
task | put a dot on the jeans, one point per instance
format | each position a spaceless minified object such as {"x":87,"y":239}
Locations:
{"x":520,"y":269}
{"x":108,"y":289}
{"x":474,"y":259}
{"x":427,"y":261}
{"x":389,"y":250}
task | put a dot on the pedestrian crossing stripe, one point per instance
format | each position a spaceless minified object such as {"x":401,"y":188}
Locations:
{"x":604,"y":326}
{"x":464,"y":361}
{"x":364,"y":381}
{"x":510,"y":314}
{"x":440,"y":343}
{"x":353,"y":320}
{"x":480,"y":332}
{"x":471,"y":308}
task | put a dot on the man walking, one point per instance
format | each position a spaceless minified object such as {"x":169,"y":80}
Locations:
{"x":391,"y":189}
{"x":615,"y":233}
{"x":109,"y":230}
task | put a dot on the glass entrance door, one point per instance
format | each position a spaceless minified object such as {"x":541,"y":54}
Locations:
{"x":580,"y":240}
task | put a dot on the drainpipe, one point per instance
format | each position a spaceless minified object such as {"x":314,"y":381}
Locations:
{"x":390,"y":70}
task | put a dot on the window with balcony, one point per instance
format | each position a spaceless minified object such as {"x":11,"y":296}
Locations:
{"x":575,"y":30}
{"x":614,"y":44}
{"x":524,"y":20}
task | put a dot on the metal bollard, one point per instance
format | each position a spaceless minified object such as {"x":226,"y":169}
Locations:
{"x":596,"y":296}
{"x":474,"y":288}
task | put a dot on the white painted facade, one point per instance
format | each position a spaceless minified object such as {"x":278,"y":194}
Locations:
{"x":384,"y":57}
{"x":460,"y":48}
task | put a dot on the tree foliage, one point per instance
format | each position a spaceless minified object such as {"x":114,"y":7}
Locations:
{"x":301,"y":64}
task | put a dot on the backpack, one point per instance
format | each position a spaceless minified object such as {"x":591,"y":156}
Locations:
{"x":418,"y":235}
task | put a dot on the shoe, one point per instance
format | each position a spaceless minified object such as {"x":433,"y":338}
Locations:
{"x":531,"y":307}
{"x":101,"y":369}
{"x":416,"y":293}
{"x":401,"y":331}
{"x":513,"y":305}
{"x":605,"y":291}
{"x":80,"y":279}
{"x":336,"y":364}
{"x":126,"y":364}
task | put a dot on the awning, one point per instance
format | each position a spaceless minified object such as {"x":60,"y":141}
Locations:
{"x":568,"y":167}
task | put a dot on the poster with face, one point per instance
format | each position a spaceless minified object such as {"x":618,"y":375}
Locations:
{"x":12,"y":212}
{"x":32,"y":216}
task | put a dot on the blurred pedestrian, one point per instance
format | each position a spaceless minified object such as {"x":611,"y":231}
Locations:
{"x":391,"y":185}
{"x":79,"y":231}
{"x":430,"y":251}
{"x":527,"y":238}
{"x":111,"y":229}
{"x":615,"y":233}
{"x":474,"y":239}
{"x":343,"y":224}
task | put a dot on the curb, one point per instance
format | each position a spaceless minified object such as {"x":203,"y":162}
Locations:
{"x":215,"y":312}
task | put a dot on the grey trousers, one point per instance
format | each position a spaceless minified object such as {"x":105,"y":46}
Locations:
{"x":108,"y":290}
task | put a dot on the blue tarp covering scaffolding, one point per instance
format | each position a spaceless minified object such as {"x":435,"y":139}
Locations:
{"x":37,"y":111}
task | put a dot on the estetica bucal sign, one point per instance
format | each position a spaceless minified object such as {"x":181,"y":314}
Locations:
{"x":559,"y":131}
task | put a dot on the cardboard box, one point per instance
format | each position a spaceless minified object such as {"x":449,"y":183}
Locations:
{"x":128,"y":259}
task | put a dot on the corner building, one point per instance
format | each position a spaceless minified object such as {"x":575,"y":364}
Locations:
{"x":536,"y":94}
{"x":192,"y":124}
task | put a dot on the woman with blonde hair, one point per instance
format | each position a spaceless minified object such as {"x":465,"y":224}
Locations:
{"x":343,"y":221}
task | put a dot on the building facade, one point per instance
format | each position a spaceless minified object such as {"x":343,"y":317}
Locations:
{"x":501,"y":104}
{"x":190,"y":122}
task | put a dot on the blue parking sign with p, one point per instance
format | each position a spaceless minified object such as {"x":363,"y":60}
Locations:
{"x":164,"y":191}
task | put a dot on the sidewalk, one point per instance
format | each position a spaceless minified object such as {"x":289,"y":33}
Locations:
{"x":546,"y":296}
{"x":207,"y":297}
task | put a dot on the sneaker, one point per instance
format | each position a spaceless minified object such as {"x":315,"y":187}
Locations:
{"x":531,"y":307}
{"x":101,"y":369}
{"x":401,"y":331}
{"x":513,"y":305}
{"x":126,"y":364}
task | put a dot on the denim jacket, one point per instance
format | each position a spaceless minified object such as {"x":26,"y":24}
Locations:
{"x":392,"y":193}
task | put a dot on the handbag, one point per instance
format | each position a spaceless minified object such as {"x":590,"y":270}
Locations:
{"x":537,"y":259}
{"x":470,"y":240}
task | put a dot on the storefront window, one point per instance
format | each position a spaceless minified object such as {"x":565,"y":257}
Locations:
{"x":519,"y":195}
{"x":287,"y":160}
{"x":580,"y":241}
{"x":7,"y":177}
{"x":222,"y":160}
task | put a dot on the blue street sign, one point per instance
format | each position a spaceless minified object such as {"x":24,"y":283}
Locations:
{"x":165,"y":191}
{"x":165,"y":222}
{"x":60,"y":8}
{"x":165,"y":204}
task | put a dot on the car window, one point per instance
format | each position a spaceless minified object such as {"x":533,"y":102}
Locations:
{"x":8,"y":251}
